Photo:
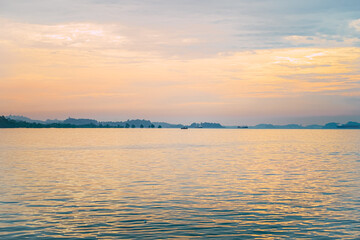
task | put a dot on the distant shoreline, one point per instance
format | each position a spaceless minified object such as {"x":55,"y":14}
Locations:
{"x":24,"y":122}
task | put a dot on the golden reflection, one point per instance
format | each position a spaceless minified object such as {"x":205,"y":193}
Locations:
{"x":115,"y":182}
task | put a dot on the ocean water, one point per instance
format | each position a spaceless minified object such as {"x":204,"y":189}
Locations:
{"x":172,"y":183}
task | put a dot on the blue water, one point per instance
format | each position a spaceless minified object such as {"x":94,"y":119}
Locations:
{"x":172,"y":183}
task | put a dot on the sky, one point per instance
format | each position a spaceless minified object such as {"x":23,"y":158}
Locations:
{"x":232,"y":61}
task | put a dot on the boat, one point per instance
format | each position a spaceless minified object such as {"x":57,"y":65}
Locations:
{"x":184,"y":127}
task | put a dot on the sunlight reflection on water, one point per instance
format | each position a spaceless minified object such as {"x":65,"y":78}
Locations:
{"x":167,"y":183}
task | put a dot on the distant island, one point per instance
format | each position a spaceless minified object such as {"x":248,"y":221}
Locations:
{"x":12,"y":121}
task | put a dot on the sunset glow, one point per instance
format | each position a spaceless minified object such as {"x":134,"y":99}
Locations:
{"x":116,"y":69}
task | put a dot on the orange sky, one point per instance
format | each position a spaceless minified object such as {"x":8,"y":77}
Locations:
{"x":104,"y":71}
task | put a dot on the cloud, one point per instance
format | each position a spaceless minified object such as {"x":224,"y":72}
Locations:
{"x":79,"y":35}
{"x":300,"y":60}
{"x":110,"y":36}
{"x":355,"y":24}
{"x":311,"y":56}
{"x":322,"y":40}
{"x":197,"y":29}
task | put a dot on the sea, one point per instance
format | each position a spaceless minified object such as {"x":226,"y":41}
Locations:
{"x":179,"y":184}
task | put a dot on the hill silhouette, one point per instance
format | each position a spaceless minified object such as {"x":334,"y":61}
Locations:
{"x":12,"y":121}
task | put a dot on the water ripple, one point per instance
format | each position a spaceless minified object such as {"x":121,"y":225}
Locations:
{"x":160,"y":184}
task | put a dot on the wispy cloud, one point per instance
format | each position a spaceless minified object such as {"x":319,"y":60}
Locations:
{"x":355,"y":24}
{"x":78,"y":35}
{"x":322,"y":40}
{"x":200,"y":28}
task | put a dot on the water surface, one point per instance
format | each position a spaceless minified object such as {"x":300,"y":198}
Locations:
{"x":172,"y":183}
